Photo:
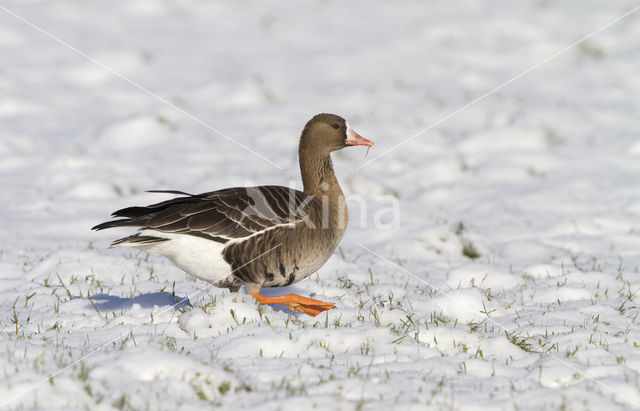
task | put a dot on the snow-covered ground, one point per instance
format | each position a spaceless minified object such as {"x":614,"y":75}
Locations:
{"x":509,"y":279}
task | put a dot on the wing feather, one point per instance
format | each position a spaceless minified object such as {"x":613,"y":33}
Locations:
{"x":232,"y":213}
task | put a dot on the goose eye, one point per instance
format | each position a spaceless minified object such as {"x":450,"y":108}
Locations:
{"x":336,"y":126}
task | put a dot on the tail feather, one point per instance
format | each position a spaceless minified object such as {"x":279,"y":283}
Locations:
{"x":147,"y":211}
{"x":137,"y":216}
{"x":125,"y":222}
{"x":137,"y":240}
{"x":132,"y":212}
{"x":171,"y":192}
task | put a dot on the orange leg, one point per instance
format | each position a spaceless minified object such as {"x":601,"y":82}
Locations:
{"x":295,"y":302}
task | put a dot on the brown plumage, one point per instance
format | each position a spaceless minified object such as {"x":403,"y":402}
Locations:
{"x":265,"y":236}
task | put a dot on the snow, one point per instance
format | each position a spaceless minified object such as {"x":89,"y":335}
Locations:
{"x":538,"y":181}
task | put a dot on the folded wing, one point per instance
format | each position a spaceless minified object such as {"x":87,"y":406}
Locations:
{"x":221,"y":216}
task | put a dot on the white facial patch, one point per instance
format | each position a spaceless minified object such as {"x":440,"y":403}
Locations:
{"x":350,"y":133}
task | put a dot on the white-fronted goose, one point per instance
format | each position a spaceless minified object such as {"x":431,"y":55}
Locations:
{"x":266,"y":236}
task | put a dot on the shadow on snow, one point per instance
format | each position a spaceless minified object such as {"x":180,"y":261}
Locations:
{"x":108,"y":302}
